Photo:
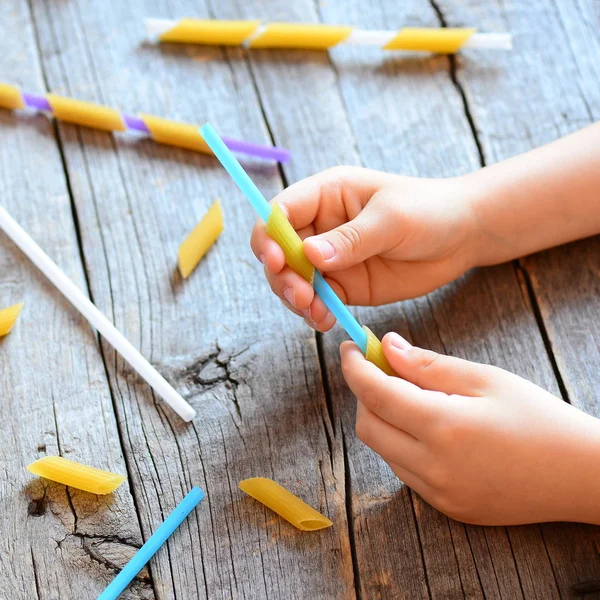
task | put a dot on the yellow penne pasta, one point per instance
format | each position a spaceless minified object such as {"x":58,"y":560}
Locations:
{"x":285,"y":504}
{"x":76,"y":475}
{"x":375,"y":353}
{"x":200,"y":31}
{"x":173,"y":133}
{"x":10,"y":96}
{"x":201,"y":238}
{"x":300,"y":35}
{"x":281,"y":230}
{"x":8,"y":318}
{"x":442,"y":41}
{"x":86,"y":113}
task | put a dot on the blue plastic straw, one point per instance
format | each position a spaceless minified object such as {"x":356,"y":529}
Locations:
{"x":263,"y":208}
{"x":148,"y":550}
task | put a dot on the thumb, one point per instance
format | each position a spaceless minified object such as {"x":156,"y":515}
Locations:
{"x":349,"y":244}
{"x":437,"y":372}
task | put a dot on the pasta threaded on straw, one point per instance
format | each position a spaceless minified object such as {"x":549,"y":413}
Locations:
{"x":375,"y":353}
{"x":280,"y":230}
{"x":73,"y":474}
{"x":285,"y":504}
{"x":105,"y":118}
{"x":200,"y":239}
{"x":322,"y":36}
{"x":8,"y":318}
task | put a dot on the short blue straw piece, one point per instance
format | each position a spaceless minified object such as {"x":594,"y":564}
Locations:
{"x":148,"y":550}
{"x":262,"y":207}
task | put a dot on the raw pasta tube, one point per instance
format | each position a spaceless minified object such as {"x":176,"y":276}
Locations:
{"x":442,"y":41}
{"x":10,"y":96}
{"x":165,"y":131}
{"x":73,"y":474}
{"x":280,"y":230}
{"x":299,"y":35}
{"x":8,"y":318}
{"x":200,"y":239}
{"x":375,"y":353}
{"x":87,"y":114}
{"x":203,"y":31}
{"x":285,"y":504}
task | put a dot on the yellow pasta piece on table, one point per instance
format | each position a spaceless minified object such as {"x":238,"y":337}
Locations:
{"x":87,"y":114}
{"x":8,"y":318}
{"x":198,"y":31}
{"x":285,"y":504}
{"x":442,"y":41}
{"x":200,"y":239}
{"x":375,"y":353}
{"x":280,"y":230}
{"x":76,"y":475}
{"x":173,"y":133}
{"x":10,"y":96}
{"x":294,"y":35}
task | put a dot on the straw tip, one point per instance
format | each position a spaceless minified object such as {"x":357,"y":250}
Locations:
{"x":187,"y":413}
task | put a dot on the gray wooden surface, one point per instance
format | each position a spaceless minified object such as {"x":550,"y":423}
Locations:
{"x":112,"y":211}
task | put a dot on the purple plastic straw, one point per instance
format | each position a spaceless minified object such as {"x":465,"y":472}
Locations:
{"x":35,"y":101}
{"x":135,"y":123}
{"x":267,"y":152}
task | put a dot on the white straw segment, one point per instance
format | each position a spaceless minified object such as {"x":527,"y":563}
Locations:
{"x":156,"y":27}
{"x":74,"y":295}
{"x":490,"y":41}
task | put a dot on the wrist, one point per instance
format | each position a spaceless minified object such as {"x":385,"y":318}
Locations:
{"x":480,"y":244}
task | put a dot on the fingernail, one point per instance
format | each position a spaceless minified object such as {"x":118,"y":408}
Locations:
{"x":262,"y":258}
{"x":399,"y":342}
{"x":306,"y":313}
{"x":326,"y":249}
{"x":290,"y":295}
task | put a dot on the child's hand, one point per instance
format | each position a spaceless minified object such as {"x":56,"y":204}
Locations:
{"x":480,"y":444}
{"x":377,"y":238}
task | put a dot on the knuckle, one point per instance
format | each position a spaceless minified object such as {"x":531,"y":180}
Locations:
{"x":428,"y":360}
{"x":333,"y":184}
{"x":371,"y":399}
{"x":452,"y":429}
{"x":351,"y":236}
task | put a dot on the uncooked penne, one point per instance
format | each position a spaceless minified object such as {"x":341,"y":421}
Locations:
{"x":285,"y":504}
{"x":8,"y":318}
{"x":73,"y":474}
{"x":375,"y":353}
{"x":280,"y":230}
{"x":201,"y":238}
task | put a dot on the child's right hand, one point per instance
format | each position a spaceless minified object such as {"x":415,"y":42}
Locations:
{"x":376,"y":237}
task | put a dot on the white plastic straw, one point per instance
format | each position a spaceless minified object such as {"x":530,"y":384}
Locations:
{"x":359,"y":37}
{"x":96,"y":319}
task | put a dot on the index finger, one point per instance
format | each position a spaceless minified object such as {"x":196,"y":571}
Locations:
{"x":400,"y":403}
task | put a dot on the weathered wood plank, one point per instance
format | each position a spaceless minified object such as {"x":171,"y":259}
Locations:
{"x":547,"y":87}
{"x":220,"y":336}
{"x":55,"y":542}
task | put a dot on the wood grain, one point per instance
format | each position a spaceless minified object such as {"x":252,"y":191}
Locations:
{"x":56,"y":542}
{"x":269,"y":395}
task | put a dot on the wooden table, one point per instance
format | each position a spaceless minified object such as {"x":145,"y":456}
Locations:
{"x":112,"y":210}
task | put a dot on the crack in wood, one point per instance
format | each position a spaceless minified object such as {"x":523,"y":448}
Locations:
{"x":35,"y":575}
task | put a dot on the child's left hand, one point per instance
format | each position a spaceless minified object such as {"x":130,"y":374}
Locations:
{"x":479,"y":443}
